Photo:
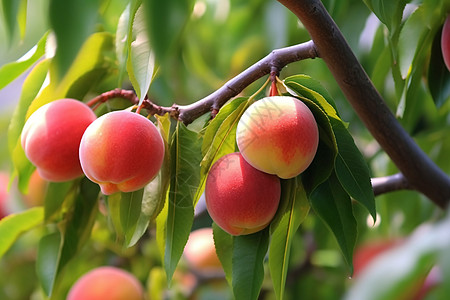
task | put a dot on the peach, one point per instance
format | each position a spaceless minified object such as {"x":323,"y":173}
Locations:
{"x":121,"y":151}
{"x":51,"y":138}
{"x":4,"y":195}
{"x":278,"y":135}
{"x":36,"y":190}
{"x":200,"y":251}
{"x":106,"y":283}
{"x":239,"y":198}
{"x":445,"y":42}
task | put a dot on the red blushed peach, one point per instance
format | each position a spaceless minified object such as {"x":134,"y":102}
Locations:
{"x":200,"y":251}
{"x":51,"y":138}
{"x":121,"y":151}
{"x":36,"y":190}
{"x":239,"y":198}
{"x":445,"y":42}
{"x":4,"y":195}
{"x":106,"y":283}
{"x":278,"y":135}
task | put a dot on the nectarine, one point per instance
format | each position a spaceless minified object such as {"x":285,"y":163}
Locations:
{"x":445,"y":42}
{"x":106,"y":283}
{"x":200,"y":251}
{"x":51,"y":138}
{"x":278,"y":135}
{"x":121,"y":151}
{"x":239,"y":198}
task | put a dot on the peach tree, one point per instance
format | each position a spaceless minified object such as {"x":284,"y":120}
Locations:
{"x":297,"y":130}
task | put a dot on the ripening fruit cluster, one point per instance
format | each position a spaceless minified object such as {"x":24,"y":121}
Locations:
{"x":121,"y":150}
{"x":277,"y":138}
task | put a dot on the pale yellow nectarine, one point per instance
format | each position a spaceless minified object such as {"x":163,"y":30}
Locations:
{"x":106,"y":283}
{"x":278,"y":135}
{"x":239,"y":198}
{"x":51,"y":138}
{"x":121,"y":151}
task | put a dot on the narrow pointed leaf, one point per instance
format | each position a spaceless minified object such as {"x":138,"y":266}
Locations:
{"x":12,"y":226}
{"x":11,"y":71}
{"x":47,"y":261}
{"x":130,"y":211}
{"x":249,"y":252}
{"x":224,"y":249}
{"x":185,"y":155}
{"x":141,"y":59}
{"x":293,"y":210}
{"x":334,"y":207}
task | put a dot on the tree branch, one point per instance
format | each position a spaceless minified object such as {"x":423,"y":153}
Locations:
{"x":416,"y":166}
{"x":396,"y":182}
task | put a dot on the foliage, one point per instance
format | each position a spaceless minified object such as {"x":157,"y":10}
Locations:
{"x":178,"y":52}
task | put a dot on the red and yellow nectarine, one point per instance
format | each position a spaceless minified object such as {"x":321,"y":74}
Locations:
{"x":37,"y":187}
{"x":445,"y":42}
{"x":278,"y":135}
{"x":106,"y":283}
{"x":51,"y":138}
{"x":200,"y":251}
{"x":121,"y":151}
{"x":239,"y":198}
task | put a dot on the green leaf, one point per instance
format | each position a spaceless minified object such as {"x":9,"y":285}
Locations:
{"x":224,"y":249}
{"x":293,"y":209}
{"x":12,"y":226}
{"x":130,"y":211}
{"x":124,"y":34}
{"x":165,"y":23}
{"x":10,"y":11}
{"x":388,"y":12}
{"x":58,"y":248}
{"x":333,"y":205}
{"x":11,"y":71}
{"x":30,"y":88}
{"x":185,"y":156}
{"x":55,"y":196}
{"x":47,"y":260}
{"x":438,"y":75}
{"x":249,"y":252}
{"x":352,"y":170}
{"x":22,"y":17}
{"x":141,"y":59}
{"x":90,"y":65}
{"x":219,"y":138}
{"x":71,"y":29}
{"x":323,"y":163}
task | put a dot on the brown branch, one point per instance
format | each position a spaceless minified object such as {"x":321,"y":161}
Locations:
{"x":396,"y":182}
{"x":416,"y":166}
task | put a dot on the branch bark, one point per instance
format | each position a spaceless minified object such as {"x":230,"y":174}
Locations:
{"x":421,"y":173}
{"x":396,"y":182}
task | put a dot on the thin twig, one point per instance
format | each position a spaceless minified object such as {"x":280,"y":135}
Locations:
{"x":386,"y":184}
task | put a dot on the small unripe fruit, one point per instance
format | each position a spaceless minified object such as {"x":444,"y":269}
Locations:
{"x":239,"y":198}
{"x":51,"y":138}
{"x":106,"y":283}
{"x":278,"y":135}
{"x":200,"y":251}
{"x":445,"y":42}
{"x":121,"y":151}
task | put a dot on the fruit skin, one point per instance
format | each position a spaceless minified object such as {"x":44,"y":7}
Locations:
{"x":239,"y":198}
{"x":278,"y":135}
{"x":121,"y":151}
{"x":4,"y":195}
{"x":445,"y":42}
{"x":52,"y":135}
{"x":200,"y":251}
{"x":106,"y":283}
{"x":36,"y":190}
